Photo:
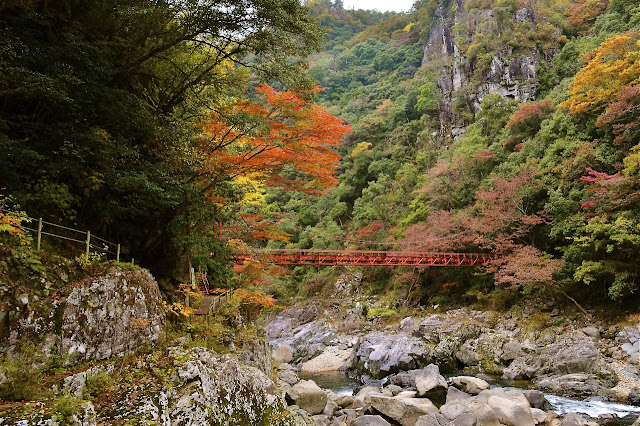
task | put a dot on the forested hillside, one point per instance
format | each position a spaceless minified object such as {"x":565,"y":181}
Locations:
{"x":186,"y":130}
{"x":484,"y":126}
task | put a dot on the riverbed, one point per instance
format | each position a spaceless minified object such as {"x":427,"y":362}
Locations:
{"x":595,"y":409}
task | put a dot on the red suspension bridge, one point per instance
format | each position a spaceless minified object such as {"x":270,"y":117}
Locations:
{"x":365,"y":258}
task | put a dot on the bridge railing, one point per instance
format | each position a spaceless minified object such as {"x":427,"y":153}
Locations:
{"x":366,"y":257}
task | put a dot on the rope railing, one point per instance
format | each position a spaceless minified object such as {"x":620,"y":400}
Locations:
{"x":107,"y":246}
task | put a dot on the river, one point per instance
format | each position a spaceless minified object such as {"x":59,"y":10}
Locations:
{"x":593,"y":408}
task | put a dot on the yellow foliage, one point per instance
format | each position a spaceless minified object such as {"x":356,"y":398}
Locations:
{"x":253,"y":187}
{"x":362,"y":147}
{"x":11,"y":223}
{"x":178,"y":309}
{"x":611,"y":67}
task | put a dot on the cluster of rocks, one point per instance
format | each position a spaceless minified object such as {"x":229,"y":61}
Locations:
{"x":573,"y":361}
{"x":421,"y":397}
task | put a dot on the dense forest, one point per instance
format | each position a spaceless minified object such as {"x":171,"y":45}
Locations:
{"x":186,"y":129}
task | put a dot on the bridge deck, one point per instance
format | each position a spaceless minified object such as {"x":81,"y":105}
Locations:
{"x":366,"y":258}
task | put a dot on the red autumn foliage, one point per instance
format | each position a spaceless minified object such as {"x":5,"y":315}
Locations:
{"x":283,"y":131}
{"x":526,"y":122}
{"x":526,"y":265}
{"x":583,"y":13}
{"x":443,"y":231}
{"x":623,"y":116}
{"x":502,"y":218}
{"x":370,"y":230}
{"x":609,"y":192}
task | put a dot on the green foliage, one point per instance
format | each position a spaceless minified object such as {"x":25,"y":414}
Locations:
{"x":21,"y":384}
{"x":383,"y":313}
{"x":96,"y":384}
{"x":64,"y":408}
{"x":99,"y":116}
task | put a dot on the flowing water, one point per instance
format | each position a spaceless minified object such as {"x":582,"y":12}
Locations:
{"x":619,"y":414}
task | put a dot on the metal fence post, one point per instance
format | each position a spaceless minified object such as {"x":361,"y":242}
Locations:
{"x":118,"y":253}
{"x":88,"y":244}
{"x":39,"y":234}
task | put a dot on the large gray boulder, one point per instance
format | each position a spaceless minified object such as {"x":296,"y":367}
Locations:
{"x":370,"y":421}
{"x":405,"y":411}
{"x":469,"y":384}
{"x":380,"y":354}
{"x":566,"y":354}
{"x":205,"y":388}
{"x":456,"y":414}
{"x":111,"y":315}
{"x":484,"y":413}
{"x":510,"y":412}
{"x":430,"y":384}
{"x":307,"y":395}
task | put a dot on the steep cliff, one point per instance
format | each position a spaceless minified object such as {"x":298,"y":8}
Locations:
{"x":480,"y":48}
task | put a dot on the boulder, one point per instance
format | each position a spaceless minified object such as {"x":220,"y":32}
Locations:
{"x":380,"y":353}
{"x":288,"y":376}
{"x":403,"y":379}
{"x":111,"y":315}
{"x":205,"y":389}
{"x":510,"y":413}
{"x":394,"y":389}
{"x":307,"y":395}
{"x":332,"y":358}
{"x":573,"y":419}
{"x":407,"y":394}
{"x":430,"y":383}
{"x":283,"y":353}
{"x":511,"y":351}
{"x":368,"y":390}
{"x":370,"y":421}
{"x":577,"y":384}
{"x":331,"y":408}
{"x":290,"y":319}
{"x":484,"y":413}
{"x":321,"y":420}
{"x":454,"y":394}
{"x":469,"y":384}
{"x":537,"y":400}
{"x":539,"y":416}
{"x":456,"y":414}
{"x":405,"y":411}
{"x":346,"y":401}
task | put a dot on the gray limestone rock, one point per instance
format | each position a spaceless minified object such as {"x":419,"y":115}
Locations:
{"x":307,"y":395}
{"x":370,"y":421}
{"x":112,"y":315}
{"x":469,"y":384}
{"x":405,"y":411}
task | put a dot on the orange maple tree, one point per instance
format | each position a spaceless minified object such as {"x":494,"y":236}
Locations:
{"x":611,"y":67}
{"x":283,"y":133}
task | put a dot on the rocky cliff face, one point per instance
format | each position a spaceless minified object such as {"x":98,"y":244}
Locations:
{"x":480,"y":51}
{"x":93,"y":319}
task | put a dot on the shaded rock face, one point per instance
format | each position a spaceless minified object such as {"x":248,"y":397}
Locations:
{"x":381,"y":354}
{"x":95,"y":318}
{"x":205,"y":388}
{"x":512,"y":74}
{"x":112,"y":315}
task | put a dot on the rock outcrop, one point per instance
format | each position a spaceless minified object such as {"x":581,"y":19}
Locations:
{"x":111,"y":315}
{"x":454,"y":47}
{"x":95,"y":318}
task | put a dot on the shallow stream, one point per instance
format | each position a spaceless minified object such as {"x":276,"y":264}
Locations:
{"x":616,"y":414}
